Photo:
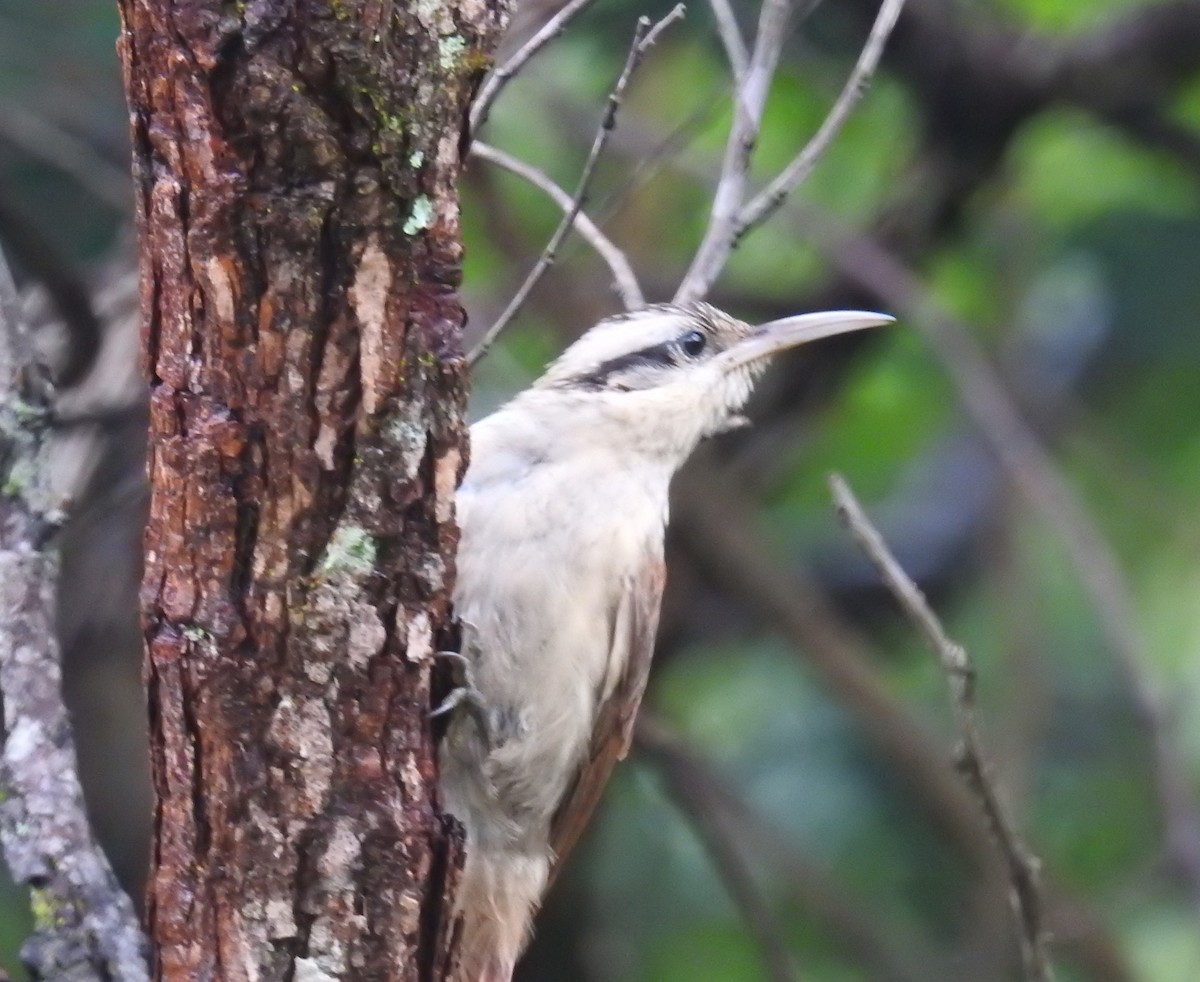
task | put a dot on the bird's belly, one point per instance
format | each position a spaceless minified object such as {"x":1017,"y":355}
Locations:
{"x":540,"y":642}
{"x":537,"y":594}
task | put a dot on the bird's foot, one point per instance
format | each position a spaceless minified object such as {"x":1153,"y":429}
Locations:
{"x":467,"y":695}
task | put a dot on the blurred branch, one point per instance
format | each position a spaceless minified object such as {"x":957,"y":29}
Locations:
{"x":86,"y":928}
{"x":500,"y":77}
{"x":974,"y":87}
{"x":690,"y":792}
{"x":711,"y":520}
{"x":644,"y":37}
{"x":708,"y":518}
{"x":1156,"y":129}
{"x":65,"y":152}
{"x":108,"y":417}
{"x":1024,"y":869}
{"x":624,"y":278}
{"x":976,"y":78}
{"x":63,"y":285}
{"x":1138,"y":58}
{"x":767,"y":201}
{"x":1034,"y":473}
{"x":750,"y":100}
{"x":860,"y":933}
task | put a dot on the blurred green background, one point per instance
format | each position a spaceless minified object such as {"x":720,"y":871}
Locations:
{"x":1036,"y":166}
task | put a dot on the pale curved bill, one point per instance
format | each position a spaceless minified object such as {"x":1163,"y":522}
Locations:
{"x":788,"y":332}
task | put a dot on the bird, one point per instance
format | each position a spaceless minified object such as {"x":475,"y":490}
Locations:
{"x":560,"y":573}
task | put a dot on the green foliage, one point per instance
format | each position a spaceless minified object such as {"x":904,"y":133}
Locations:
{"x":1065,"y":15}
{"x":1069,"y":169}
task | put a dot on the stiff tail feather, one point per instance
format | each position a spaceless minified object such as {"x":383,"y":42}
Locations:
{"x":497,"y":899}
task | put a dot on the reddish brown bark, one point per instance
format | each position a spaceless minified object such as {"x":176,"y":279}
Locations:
{"x":295,"y":166}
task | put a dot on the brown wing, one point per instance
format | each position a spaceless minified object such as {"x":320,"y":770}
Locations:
{"x":634,"y":628}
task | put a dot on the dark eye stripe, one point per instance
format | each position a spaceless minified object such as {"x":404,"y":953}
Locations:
{"x":657,"y":354}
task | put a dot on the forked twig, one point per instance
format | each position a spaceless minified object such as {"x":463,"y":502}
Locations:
{"x":644,"y":37}
{"x":1023,"y":868}
{"x":749,"y":103}
{"x":500,"y":77}
{"x":624,"y":279}
{"x":764,"y":204}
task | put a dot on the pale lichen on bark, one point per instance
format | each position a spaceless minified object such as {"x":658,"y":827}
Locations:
{"x":85,"y":926}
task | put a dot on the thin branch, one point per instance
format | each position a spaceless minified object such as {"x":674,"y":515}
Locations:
{"x":764,"y":204}
{"x":499,"y":78}
{"x":644,"y":37}
{"x":108,"y":417}
{"x":87,"y":930}
{"x":64,"y":286}
{"x":749,"y":103}
{"x":1024,"y":869}
{"x":65,"y":152}
{"x":866,"y":936}
{"x":731,"y":38}
{"x":693,"y":799}
{"x":712,"y":524}
{"x":1038,"y":479}
{"x":710,"y":517}
{"x":624,"y":279}
{"x":1155,"y":127}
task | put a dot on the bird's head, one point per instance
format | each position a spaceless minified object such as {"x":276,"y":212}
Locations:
{"x":664,"y":377}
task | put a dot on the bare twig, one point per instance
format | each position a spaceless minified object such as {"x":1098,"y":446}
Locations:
{"x":692,"y":797}
{"x":749,"y":102}
{"x":763,"y":204}
{"x":1034,"y":474}
{"x":644,"y":37}
{"x":1024,"y":869}
{"x":624,"y":278}
{"x":491,"y":89}
{"x":731,"y":38}
{"x":710,"y":518}
{"x":86,"y":929}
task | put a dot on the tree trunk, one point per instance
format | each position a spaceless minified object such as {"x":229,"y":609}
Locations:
{"x":295,"y":167}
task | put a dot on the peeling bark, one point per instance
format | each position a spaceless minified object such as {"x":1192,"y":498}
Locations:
{"x":295,"y":168}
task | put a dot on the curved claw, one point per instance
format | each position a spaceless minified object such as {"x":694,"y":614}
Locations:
{"x":455,"y":697}
{"x":467,"y":696}
{"x":457,"y":656}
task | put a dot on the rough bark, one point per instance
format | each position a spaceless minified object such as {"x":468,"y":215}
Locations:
{"x":85,"y":929}
{"x":295,"y":167}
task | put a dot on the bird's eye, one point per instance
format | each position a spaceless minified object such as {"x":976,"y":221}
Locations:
{"x":692,"y":343}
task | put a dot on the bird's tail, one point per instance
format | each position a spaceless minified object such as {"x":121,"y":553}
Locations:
{"x":497,"y":899}
{"x":480,"y":966}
